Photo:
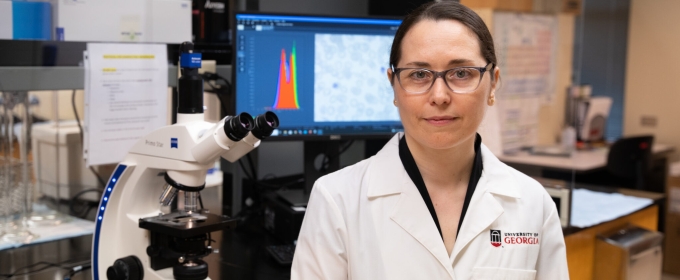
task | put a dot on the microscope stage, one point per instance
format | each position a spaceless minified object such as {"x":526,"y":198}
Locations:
{"x":187,"y":225}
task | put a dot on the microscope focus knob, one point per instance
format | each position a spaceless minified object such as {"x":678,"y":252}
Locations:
{"x":127,"y":268}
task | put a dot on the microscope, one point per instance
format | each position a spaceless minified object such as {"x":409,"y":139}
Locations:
{"x":139,"y":232}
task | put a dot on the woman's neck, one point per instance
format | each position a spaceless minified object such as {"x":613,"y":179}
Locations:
{"x":444,"y":168}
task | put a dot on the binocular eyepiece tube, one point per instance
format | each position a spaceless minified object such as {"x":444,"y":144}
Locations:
{"x":237,"y":127}
{"x":265,"y":125}
{"x":222,"y":137}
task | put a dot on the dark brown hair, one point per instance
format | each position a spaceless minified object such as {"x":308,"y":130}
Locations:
{"x":445,"y":10}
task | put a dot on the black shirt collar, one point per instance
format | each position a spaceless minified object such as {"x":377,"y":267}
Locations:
{"x":414,"y":173}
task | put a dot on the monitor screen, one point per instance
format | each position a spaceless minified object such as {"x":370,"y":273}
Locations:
{"x":325,"y":77}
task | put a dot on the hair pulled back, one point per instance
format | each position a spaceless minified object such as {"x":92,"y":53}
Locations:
{"x":445,"y":10}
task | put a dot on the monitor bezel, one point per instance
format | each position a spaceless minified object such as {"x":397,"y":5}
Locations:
{"x":232,"y":98}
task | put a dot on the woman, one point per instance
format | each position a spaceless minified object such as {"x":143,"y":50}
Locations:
{"x":434,"y":203}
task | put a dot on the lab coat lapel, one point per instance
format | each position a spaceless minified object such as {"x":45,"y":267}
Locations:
{"x":388,"y":177}
{"x":411,"y":214}
{"x":484,"y":208}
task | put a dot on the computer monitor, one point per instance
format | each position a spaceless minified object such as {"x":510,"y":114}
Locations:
{"x":324,"y":76}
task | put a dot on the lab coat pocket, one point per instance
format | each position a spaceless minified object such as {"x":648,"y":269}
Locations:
{"x":495,"y":273}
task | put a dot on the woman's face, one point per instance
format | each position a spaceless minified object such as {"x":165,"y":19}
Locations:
{"x":440,"y":118}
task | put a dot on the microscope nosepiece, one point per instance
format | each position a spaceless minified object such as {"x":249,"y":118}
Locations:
{"x":238,"y":126}
{"x":265,"y":125}
{"x":168,"y":195}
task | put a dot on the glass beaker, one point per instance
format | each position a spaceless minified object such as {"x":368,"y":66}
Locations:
{"x":45,"y":210}
{"x":17,"y":179}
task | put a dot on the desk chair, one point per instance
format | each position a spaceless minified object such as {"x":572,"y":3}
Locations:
{"x":631,"y":159}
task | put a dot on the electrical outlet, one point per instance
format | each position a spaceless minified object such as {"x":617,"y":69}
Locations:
{"x":648,"y":121}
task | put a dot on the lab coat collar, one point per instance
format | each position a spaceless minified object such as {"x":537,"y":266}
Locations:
{"x":387,"y":173}
{"x":501,"y":181}
{"x":388,"y":177}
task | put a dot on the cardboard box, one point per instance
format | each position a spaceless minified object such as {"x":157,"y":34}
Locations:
{"x":506,"y":5}
{"x":672,"y":242}
{"x":68,"y":171}
{"x":149,"y":21}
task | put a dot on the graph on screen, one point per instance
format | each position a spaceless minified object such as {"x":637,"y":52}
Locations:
{"x":287,"y":87}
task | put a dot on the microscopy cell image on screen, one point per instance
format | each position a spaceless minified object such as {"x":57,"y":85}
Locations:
{"x":350,"y":78}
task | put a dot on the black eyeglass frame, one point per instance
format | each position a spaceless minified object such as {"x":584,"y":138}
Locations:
{"x":437,"y":74}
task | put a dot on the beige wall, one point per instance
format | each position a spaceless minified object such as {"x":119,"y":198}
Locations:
{"x":652,"y":69}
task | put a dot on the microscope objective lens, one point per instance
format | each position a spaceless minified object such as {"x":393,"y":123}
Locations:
{"x":191,"y":201}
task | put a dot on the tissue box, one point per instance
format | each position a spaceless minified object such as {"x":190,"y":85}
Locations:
{"x":151,"y":21}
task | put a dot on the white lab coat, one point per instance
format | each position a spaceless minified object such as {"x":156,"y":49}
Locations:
{"x":368,"y":221}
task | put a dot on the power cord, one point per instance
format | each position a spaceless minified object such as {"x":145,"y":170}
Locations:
{"x":44,"y":265}
{"x":80,"y":128}
{"x":82,"y":203}
{"x":325,"y":163}
{"x":245,"y":171}
{"x":222,"y":91}
{"x":209,"y":76}
{"x":248,"y":211}
{"x":251,"y":164}
{"x":264,"y":185}
{"x":77,"y":269}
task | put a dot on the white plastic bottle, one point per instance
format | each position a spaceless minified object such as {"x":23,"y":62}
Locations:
{"x":569,"y":138}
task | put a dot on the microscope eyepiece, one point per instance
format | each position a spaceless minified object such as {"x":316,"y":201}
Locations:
{"x":265,"y":125}
{"x":238,"y":126}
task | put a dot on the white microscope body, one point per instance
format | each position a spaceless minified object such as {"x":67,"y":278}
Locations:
{"x":137,"y":236}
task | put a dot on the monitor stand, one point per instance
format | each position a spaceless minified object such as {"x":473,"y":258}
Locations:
{"x":314,"y":168}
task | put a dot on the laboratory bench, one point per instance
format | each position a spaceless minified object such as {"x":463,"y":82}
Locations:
{"x":581,"y":242}
{"x":579,"y":161}
{"x":243,"y":255}
{"x":49,"y":260}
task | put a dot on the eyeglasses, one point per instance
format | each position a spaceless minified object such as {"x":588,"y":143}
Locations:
{"x":459,"y":80}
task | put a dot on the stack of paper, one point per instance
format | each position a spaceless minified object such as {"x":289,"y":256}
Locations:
{"x":590,"y":208}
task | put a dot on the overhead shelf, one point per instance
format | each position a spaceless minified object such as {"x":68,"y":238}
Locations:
{"x":65,"y":77}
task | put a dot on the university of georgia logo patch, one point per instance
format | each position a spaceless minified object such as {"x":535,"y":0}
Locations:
{"x":495,"y":237}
